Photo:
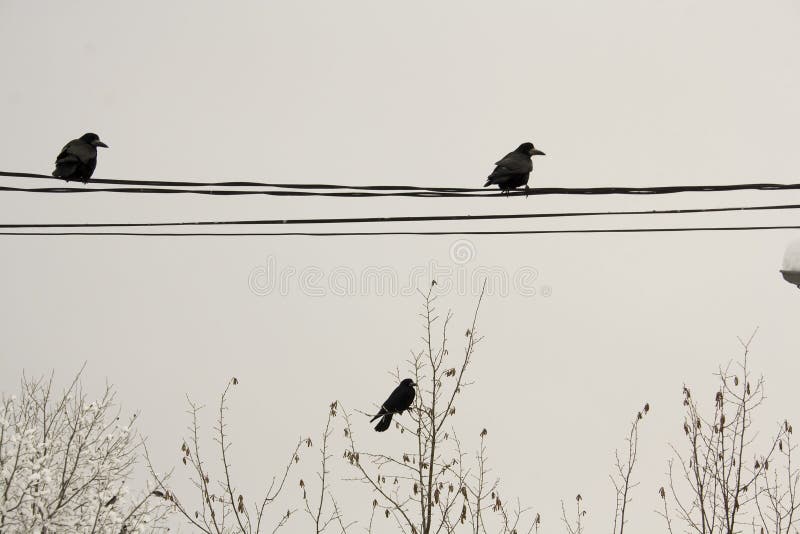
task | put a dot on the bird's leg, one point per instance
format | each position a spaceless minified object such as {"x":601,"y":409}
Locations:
{"x":527,"y":189}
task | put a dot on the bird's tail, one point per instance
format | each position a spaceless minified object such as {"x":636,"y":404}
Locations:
{"x":384,"y":423}
{"x":488,"y":182}
{"x":380,"y":414}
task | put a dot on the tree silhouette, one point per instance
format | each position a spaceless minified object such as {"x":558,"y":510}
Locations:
{"x":434,"y":486}
{"x":720,"y":480}
{"x":219,"y":507}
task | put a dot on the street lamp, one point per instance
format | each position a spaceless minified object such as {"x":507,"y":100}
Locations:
{"x":791,"y":263}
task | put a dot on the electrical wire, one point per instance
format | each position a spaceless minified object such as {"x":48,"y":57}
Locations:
{"x":405,"y":218}
{"x":334,"y":190}
{"x":431,"y":233}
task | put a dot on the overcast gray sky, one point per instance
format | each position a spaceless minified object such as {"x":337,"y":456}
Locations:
{"x":617,"y":93}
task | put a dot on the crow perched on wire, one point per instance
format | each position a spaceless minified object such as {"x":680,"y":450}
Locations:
{"x":78,"y":158}
{"x":514,"y":169}
{"x":399,"y":401}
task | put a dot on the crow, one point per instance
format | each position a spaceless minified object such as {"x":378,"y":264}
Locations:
{"x":399,"y":401}
{"x":78,"y":158}
{"x":112,"y":500}
{"x":514,"y":169}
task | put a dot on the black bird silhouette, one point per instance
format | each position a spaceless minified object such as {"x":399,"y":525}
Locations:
{"x":514,"y":169}
{"x":78,"y":158}
{"x":399,"y":401}
{"x":112,"y":500}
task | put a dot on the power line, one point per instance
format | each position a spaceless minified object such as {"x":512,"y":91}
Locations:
{"x":229,"y":192}
{"x":404,"y":218}
{"x":365,"y":234}
{"x":242,"y":183}
{"x":334,"y":190}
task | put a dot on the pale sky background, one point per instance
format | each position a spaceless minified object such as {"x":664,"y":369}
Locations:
{"x":617,"y":93}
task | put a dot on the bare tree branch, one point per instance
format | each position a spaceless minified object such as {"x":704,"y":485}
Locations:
{"x":215,"y":510}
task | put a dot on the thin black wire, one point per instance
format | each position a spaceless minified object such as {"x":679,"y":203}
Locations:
{"x":184,"y":183}
{"x":364,"y":234}
{"x":404,"y":218}
{"x":174,"y":187}
{"x":227,"y":192}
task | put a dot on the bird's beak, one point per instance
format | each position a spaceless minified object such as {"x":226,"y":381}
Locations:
{"x":414,"y":384}
{"x":536,"y":152}
{"x":100,"y":143}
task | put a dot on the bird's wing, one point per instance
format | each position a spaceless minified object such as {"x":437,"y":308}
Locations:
{"x":398,"y":399}
{"x":513,"y":163}
{"x":66,"y":156}
{"x":77,"y":150}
